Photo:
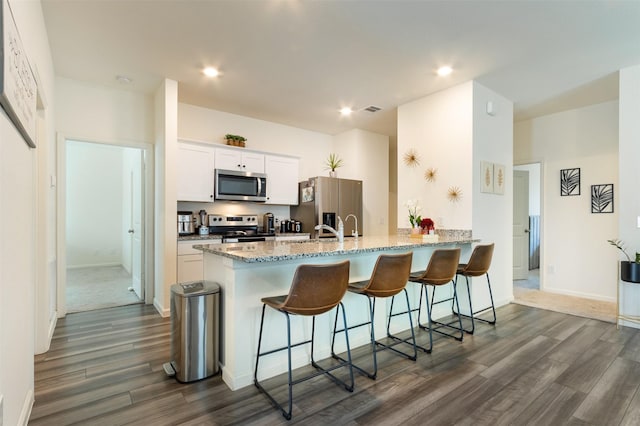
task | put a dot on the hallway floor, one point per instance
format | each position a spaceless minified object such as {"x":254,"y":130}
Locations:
{"x":98,"y":287}
{"x":527,"y":292}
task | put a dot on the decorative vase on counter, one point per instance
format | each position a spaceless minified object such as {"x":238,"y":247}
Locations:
{"x":416,"y":230}
{"x":333,"y":173}
{"x":630,"y":271}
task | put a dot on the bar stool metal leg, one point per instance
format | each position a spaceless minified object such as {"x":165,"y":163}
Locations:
{"x":472,"y":313}
{"x":413,"y":342}
{"x":439,"y":324}
{"x":377,"y":346}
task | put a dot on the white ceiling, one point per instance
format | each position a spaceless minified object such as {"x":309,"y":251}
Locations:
{"x":297,"y":62}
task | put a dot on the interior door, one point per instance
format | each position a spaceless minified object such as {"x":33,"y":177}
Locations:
{"x":520,"y":224}
{"x":137,"y":230}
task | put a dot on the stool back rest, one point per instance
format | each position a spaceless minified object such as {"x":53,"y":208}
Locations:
{"x":480,"y":261}
{"x":442,"y":267}
{"x":317,"y":288}
{"x":390,"y":275}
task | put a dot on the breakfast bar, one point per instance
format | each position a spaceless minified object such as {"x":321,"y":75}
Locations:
{"x":247,"y":272}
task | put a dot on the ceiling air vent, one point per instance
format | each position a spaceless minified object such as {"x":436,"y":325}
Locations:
{"x":372,"y":108}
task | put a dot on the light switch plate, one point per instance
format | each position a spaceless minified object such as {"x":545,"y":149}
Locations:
{"x":638,"y":224}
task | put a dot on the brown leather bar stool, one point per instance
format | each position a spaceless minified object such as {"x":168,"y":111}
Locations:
{"x":441,"y":270}
{"x":389,"y":278}
{"x":315,"y":289}
{"x":478,"y":265}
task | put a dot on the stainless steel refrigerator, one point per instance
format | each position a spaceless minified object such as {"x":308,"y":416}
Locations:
{"x":323,"y":199}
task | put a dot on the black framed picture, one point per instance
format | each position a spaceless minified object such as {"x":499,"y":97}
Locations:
{"x":569,"y":182}
{"x":602,"y":198}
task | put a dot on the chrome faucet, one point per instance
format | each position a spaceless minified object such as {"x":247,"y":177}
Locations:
{"x":354,"y":233}
{"x":339,"y":233}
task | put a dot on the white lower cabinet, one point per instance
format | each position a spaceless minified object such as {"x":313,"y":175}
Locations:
{"x":190,"y":263}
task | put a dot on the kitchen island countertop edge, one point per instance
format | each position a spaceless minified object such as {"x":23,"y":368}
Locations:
{"x":277,"y":251}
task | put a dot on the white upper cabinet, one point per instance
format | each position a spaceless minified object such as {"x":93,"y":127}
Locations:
{"x":195,"y":172}
{"x":282,"y":180}
{"x":231,"y":159}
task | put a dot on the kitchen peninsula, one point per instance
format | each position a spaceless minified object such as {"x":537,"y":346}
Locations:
{"x":248,"y":272}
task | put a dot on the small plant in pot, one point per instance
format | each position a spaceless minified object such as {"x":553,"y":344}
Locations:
{"x":235,"y":140}
{"x":629,"y":270}
{"x":332,"y":163}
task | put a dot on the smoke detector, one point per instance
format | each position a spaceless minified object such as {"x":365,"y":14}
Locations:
{"x":123,"y":79}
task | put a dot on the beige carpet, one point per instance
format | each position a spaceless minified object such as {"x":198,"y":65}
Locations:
{"x":98,"y":287}
{"x":588,"y":308}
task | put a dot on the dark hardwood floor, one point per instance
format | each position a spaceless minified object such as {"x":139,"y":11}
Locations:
{"x":535,"y":367}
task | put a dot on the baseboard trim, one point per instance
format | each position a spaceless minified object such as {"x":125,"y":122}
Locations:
{"x":52,"y":328}
{"x":26,"y":408}
{"x":164,"y":313}
{"x":590,"y":296}
{"x":97,"y":265}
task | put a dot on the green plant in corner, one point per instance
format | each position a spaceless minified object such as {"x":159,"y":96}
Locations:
{"x":619,"y":244}
{"x":333,"y":162}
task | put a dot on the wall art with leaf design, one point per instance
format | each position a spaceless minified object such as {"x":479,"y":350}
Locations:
{"x":602,"y":198}
{"x":486,"y":176}
{"x":569,"y":182}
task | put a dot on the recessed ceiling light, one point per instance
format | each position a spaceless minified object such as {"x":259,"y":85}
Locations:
{"x":346,"y":111}
{"x":210,"y":72}
{"x":444,"y":71}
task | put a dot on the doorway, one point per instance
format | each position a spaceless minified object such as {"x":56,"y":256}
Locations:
{"x":105,"y":190}
{"x":526,"y":226}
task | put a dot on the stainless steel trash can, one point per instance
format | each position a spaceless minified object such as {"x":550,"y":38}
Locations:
{"x":195,"y":335}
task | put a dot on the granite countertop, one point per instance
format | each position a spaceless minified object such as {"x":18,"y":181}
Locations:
{"x":274,"y":251}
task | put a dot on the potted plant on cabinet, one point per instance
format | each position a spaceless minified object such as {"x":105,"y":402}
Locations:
{"x":235,"y":140}
{"x":332,"y":163}
{"x":629,"y":270}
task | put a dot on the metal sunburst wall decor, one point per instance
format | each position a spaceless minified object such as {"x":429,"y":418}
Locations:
{"x":430,"y":174}
{"x":454,"y":193}
{"x":411,"y":158}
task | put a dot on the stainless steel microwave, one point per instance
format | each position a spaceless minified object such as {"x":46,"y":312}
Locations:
{"x":240,"y":186}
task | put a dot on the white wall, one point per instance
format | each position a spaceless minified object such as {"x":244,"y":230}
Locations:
{"x":98,"y":114}
{"x":452,"y":133}
{"x":22,"y":197}
{"x":576,"y":258}
{"x":629,"y":175}
{"x":366,"y":158}
{"x":94,"y":204}
{"x":492,"y":214}
{"x":439,"y":129}
{"x":166,"y":231}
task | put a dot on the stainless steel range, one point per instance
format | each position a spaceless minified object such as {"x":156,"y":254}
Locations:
{"x":237,"y":229}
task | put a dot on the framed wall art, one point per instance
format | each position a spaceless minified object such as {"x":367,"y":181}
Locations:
{"x":18,"y":89}
{"x":569,"y":182}
{"x":602,"y":198}
{"x":486,"y":176}
{"x":498,"y":179}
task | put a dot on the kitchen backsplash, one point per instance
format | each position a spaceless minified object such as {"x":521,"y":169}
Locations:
{"x":229,"y":208}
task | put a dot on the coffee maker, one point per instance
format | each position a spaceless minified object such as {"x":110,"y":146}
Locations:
{"x":268,"y":223}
